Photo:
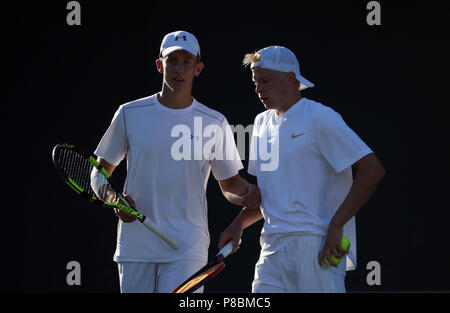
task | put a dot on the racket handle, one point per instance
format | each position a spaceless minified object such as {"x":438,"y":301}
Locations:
{"x":226,"y":250}
{"x":174,"y":243}
{"x":154,"y":228}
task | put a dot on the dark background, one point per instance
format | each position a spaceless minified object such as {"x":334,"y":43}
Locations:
{"x":64,"y":83}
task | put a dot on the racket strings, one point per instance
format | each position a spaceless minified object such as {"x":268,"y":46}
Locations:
{"x":75,"y":167}
{"x":83,"y":173}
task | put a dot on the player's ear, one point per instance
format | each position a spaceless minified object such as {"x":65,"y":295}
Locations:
{"x":199,"y":68}
{"x":159,"y":66}
{"x":293,"y":78}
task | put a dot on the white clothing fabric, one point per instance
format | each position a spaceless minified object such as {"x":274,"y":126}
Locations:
{"x":170,"y":154}
{"x":146,"y":277}
{"x":295,"y":268}
{"x":313,"y":174}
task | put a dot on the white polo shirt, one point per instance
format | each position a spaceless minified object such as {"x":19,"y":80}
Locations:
{"x":303,"y":188}
{"x":170,"y":154}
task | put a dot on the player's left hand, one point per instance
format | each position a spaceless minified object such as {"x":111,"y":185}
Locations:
{"x":332,"y":245}
{"x":233,"y":233}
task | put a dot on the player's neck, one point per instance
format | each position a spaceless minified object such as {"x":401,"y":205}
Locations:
{"x":175,"y":99}
{"x":283,"y":108}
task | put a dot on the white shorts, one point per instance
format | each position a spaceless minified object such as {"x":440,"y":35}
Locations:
{"x":295,"y":268}
{"x":146,"y":277}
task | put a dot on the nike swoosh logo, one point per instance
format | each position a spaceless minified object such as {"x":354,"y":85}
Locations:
{"x":295,"y":136}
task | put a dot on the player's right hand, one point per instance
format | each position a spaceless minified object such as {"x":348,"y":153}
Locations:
{"x":124,"y":216}
{"x":251,"y":199}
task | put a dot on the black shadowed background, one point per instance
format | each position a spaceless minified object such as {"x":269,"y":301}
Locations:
{"x":64,"y":83}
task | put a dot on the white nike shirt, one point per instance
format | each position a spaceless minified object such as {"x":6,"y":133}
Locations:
{"x":303,"y":188}
{"x":170,"y":154}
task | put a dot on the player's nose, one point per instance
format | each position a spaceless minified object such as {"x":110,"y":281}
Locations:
{"x":258,"y":89}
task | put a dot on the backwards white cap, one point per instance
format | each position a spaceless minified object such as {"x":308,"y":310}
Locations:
{"x":179,"y":40}
{"x":281,"y":59}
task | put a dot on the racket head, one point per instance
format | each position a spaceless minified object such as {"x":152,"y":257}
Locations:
{"x":82,"y":173}
{"x":200,"y":278}
{"x":90,"y":180}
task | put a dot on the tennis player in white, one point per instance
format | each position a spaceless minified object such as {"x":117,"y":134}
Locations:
{"x":167,"y":178}
{"x":310,"y":199}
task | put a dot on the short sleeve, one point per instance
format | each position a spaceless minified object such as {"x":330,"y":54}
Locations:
{"x":114,"y":145}
{"x":339,"y":144}
{"x":226,"y":162}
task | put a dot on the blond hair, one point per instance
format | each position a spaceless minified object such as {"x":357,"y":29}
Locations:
{"x":250,"y":58}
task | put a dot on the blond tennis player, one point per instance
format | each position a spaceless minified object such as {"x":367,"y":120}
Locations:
{"x":310,"y":199}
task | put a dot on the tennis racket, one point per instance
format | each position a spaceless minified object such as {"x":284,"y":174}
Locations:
{"x":206,"y":273}
{"x":91,"y":181}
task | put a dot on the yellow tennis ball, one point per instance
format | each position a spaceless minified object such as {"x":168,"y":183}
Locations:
{"x":345,"y":243}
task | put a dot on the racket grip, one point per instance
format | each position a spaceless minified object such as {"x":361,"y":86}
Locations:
{"x":226,"y":250}
{"x":174,"y":243}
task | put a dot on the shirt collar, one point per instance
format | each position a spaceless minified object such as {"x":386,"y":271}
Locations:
{"x":283,"y":117}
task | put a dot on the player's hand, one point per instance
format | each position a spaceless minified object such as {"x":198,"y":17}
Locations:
{"x":333,"y":245}
{"x":124,"y":216}
{"x":233,"y":233}
{"x":251,"y":198}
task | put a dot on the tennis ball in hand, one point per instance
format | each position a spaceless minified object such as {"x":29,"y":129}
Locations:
{"x":344,"y":244}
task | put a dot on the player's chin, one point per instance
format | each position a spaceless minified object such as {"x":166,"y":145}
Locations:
{"x":267,"y":105}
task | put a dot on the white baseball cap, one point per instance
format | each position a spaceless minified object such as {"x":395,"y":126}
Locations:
{"x":283,"y":60}
{"x":179,"y":40}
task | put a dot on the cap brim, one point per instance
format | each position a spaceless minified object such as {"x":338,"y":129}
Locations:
{"x":304,"y":83}
{"x":169,"y":50}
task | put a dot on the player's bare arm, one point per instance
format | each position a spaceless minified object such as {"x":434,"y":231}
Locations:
{"x":124,"y":217}
{"x":369,"y":172}
{"x":240,"y":192}
{"x":233,"y":232}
